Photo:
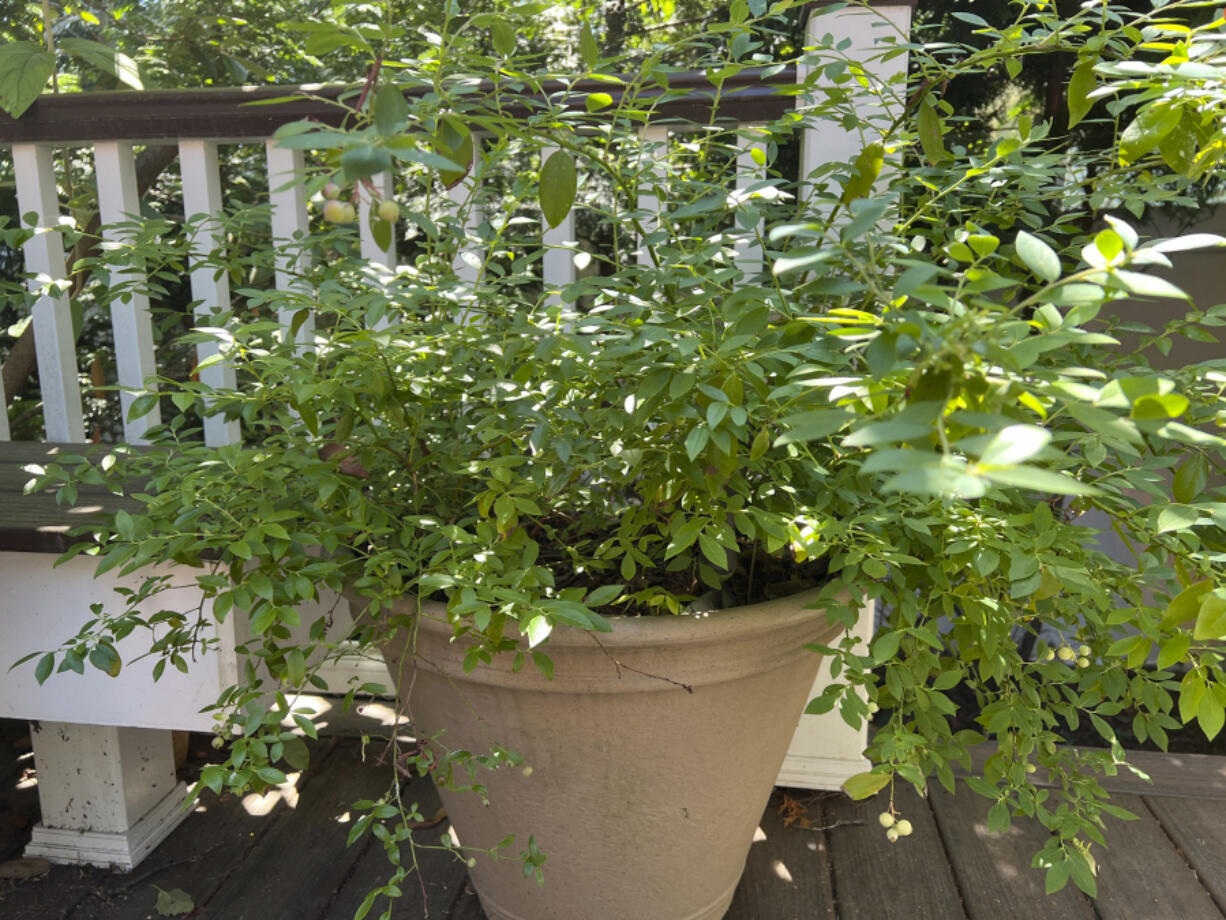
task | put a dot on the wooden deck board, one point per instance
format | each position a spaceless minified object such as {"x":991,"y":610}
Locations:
{"x":1198,"y":828}
{"x":993,"y":869}
{"x":1137,"y":852}
{"x":787,"y":875}
{"x":303,"y":856}
{"x":293,"y":863}
{"x":874,"y":878}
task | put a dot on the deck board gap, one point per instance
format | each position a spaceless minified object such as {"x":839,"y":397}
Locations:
{"x":1182,"y":853}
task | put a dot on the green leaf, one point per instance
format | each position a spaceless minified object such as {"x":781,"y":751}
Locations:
{"x":454,"y":142}
{"x":929,"y":125}
{"x":865,"y":170}
{"x":364,"y":162}
{"x":589,"y":51}
{"x":1015,"y":444}
{"x":696,"y":440}
{"x":1211,"y":620}
{"x":1080,"y":85}
{"x":271,"y":775}
{"x":1184,"y":606}
{"x":936,"y":479}
{"x":390,"y":109}
{"x":25,"y":69}
{"x":380,"y":230}
{"x":1029,"y":477}
{"x":1177,"y":517}
{"x":502,"y":36}
{"x":106,"y":59}
{"x":1154,"y":122}
{"x":1191,"y":477}
{"x":810,"y":426}
{"x":537,"y":630}
{"x":43,"y":669}
{"x":295,"y":667}
{"x":1037,"y":256}
{"x":605,"y":594}
{"x":865,"y":785}
{"x":295,"y":753}
{"x":1173,"y":650}
{"x":174,"y":902}
{"x":597,"y":101}
{"x":1211,"y":715}
{"x":559,"y":183}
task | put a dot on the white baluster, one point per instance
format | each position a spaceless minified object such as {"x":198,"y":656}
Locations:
{"x":371,"y":250}
{"x":4,"y":414}
{"x":826,"y":140}
{"x":749,"y":172}
{"x":54,"y":339}
{"x":825,"y":751}
{"x":654,"y":139}
{"x":558,"y":264}
{"x":459,"y":195}
{"x":210,"y":288}
{"x":290,"y":226}
{"x":119,"y":201}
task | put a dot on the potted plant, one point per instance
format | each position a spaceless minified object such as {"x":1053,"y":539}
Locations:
{"x":921,"y":400}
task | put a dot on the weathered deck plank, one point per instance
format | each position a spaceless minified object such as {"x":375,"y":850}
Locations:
{"x":1137,"y":852}
{"x":1198,"y":828}
{"x":303,"y":858}
{"x":993,"y":869}
{"x":787,"y":875}
{"x":874,"y":878}
{"x":292,"y":861}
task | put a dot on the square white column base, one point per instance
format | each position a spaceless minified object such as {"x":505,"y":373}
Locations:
{"x":123,"y":850}
{"x":813,"y":772}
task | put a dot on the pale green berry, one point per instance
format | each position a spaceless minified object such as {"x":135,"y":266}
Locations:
{"x":1031,"y":768}
{"x":332,"y":191}
{"x":472,"y":863}
{"x":337,"y":212}
{"x":892,"y":835}
{"x":219,"y":742}
{"x":873,"y":708}
{"x":1083,"y":662}
{"x":1066,"y":653}
{"x":389,"y":211}
{"x":904,"y":828}
{"x":527,"y":771}
{"x":1084,"y":650}
{"x":1049,"y":655}
{"x":885,"y":819}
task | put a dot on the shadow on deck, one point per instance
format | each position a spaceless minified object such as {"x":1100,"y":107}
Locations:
{"x":283,"y":856}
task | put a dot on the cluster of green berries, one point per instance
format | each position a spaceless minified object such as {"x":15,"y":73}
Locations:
{"x":343,"y":212}
{"x":1067,"y":653}
{"x":894,"y":827}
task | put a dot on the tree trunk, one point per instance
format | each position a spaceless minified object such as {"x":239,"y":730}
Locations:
{"x":22,"y":360}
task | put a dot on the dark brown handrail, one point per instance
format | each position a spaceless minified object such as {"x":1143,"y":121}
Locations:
{"x":153,"y":116}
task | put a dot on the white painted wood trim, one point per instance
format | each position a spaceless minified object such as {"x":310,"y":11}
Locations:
{"x":54,"y":339}
{"x":652,"y":138}
{"x":826,"y":751}
{"x":290,"y":225}
{"x":108,"y":795}
{"x":119,"y":201}
{"x":558,"y":263}
{"x":383,"y":190}
{"x":748,"y":172}
{"x":210,"y":288}
{"x":825,"y":141}
{"x":4,"y":414}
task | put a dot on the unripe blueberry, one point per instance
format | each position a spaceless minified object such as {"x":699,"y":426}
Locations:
{"x":527,"y":771}
{"x":1084,"y":650}
{"x":904,"y":828}
{"x":218,"y":742}
{"x":389,"y":211}
{"x":1049,"y":655}
{"x":885,"y":819}
{"x":472,"y":863}
{"x":1083,"y":662}
{"x":1066,"y":653}
{"x":892,"y":834}
{"x":336,"y":212}
{"x":873,"y":708}
{"x":1031,"y":768}
{"x":332,"y":191}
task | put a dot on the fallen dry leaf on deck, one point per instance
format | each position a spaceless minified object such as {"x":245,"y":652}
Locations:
{"x":24,"y":868}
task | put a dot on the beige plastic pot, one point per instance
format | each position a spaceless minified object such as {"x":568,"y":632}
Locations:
{"x":654,"y":750}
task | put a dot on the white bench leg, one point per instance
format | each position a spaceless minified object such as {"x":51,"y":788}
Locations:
{"x":108,"y":795}
{"x":825,"y":750}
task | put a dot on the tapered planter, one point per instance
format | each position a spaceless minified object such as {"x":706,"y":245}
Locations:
{"x":653,"y":752}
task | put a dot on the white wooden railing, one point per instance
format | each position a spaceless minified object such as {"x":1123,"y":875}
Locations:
{"x":105,"y":724}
